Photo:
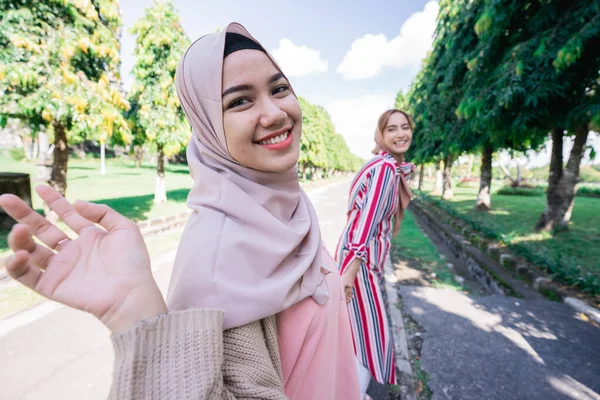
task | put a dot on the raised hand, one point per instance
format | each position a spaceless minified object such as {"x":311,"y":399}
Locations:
{"x":105,"y":272}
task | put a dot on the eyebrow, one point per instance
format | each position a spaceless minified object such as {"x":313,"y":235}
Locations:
{"x":240,"y":88}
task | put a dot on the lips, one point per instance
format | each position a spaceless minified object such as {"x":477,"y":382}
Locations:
{"x":277,"y":139}
{"x":280,"y":135}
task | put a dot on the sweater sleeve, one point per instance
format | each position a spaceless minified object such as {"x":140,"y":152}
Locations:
{"x":186,"y":355}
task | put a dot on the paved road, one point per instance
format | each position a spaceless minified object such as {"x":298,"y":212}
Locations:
{"x":503,"y":348}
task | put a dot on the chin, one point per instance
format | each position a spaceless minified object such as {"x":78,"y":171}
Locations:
{"x":279,"y":165}
{"x":398,"y":152}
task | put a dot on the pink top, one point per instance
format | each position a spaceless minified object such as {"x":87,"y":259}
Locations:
{"x":315,"y":343}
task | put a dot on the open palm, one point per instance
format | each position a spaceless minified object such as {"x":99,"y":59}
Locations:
{"x":104,"y":271}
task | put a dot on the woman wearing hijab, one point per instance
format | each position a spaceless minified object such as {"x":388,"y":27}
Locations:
{"x":378,"y":197}
{"x":254,"y":310}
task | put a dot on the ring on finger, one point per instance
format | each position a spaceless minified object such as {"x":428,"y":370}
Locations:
{"x":57,"y":247}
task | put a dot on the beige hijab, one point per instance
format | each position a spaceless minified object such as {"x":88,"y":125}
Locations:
{"x":252,"y":245}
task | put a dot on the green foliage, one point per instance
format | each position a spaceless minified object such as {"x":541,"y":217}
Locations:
{"x":156,"y":115}
{"x":401,"y":102}
{"x":588,"y":191}
{"x":502,"y":75}
{"x":17,"y":153}
{"x":321,"y":147}
{"x":519,"y":191}
{"x":59,"y":64}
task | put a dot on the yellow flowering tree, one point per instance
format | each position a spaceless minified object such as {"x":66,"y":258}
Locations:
{"x":59,"y":62}
{"x":157,"y":117}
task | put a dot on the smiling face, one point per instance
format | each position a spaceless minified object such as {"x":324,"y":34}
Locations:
{"x":261,"y":116}
{"x":397,"y":134}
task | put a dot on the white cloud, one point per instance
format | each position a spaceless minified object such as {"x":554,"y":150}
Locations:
{"x":356,"y":119}
{"x":371,"y":53}
{"x":298,"y":60}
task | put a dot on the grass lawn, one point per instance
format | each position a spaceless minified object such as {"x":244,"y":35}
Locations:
{"x":127,"y":189}
{"x":133,"y":187}
{"x":417,"y":251}
{"x":572,"y":255}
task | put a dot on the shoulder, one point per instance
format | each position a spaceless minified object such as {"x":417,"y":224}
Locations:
{"x":376,"y":165}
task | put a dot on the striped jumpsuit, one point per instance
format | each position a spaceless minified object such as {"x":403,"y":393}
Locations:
{"x":372,"y":205}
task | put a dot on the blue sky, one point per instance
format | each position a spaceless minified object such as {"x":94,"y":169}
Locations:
{"x":351,"y":57}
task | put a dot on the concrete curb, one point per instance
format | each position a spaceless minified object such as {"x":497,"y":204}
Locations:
{"x":582,"y":307}
{"x":541,"y":283}
{"x":399,"y":333}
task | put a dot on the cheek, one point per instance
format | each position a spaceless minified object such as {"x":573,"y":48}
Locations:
{"x":238,"y":133}
{"x":388,"y":136}
{"x":292,"y":108}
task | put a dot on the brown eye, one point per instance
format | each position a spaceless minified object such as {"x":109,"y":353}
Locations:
{"x":238,"y":103}
{"x":281,"y":89}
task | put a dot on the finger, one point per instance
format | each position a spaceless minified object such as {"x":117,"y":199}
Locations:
{"x":103,"y":215}
{"x":20,"y":268}
{"x":65,"y":210}
{"x":39,"y":226}
{"x":20,"y":239}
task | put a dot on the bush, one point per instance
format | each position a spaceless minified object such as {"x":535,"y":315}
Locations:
{"x":17,"y":153}
{"x":521,"y":191}
{"x":589,"y":191}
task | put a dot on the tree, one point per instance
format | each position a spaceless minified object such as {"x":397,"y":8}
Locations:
{"x":529,"y":78}
{"x":59,"y":65}
{"x":484,"y":199}
{"x":322,"y":150}
{"x":401,"y":102}
{"x":501,"y":76}
{"x":160,"y":43}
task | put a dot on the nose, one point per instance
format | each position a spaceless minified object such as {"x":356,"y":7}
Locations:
{"x":272,"y":114}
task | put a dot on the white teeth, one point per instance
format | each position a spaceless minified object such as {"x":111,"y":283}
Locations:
{"x":277,"y":139}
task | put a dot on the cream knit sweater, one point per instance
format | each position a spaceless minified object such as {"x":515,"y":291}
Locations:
{"x":187,"y":355}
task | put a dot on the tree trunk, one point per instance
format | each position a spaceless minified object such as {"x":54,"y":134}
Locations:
{"x":484,"y":201}
{"x":421,"y":176}
{"x":42,"y":147}
{"x":439,"y":184}
{"x":58,"y":174}
{"x":58,"y":179}
{"x":102,"y":159}
{"x":447,"y":193}
{"x":560,"y":196}
{"x":470,"y":165}
{"x":160,"y":194}
{"x":518,"y":174}
{"x":138,"y":155}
